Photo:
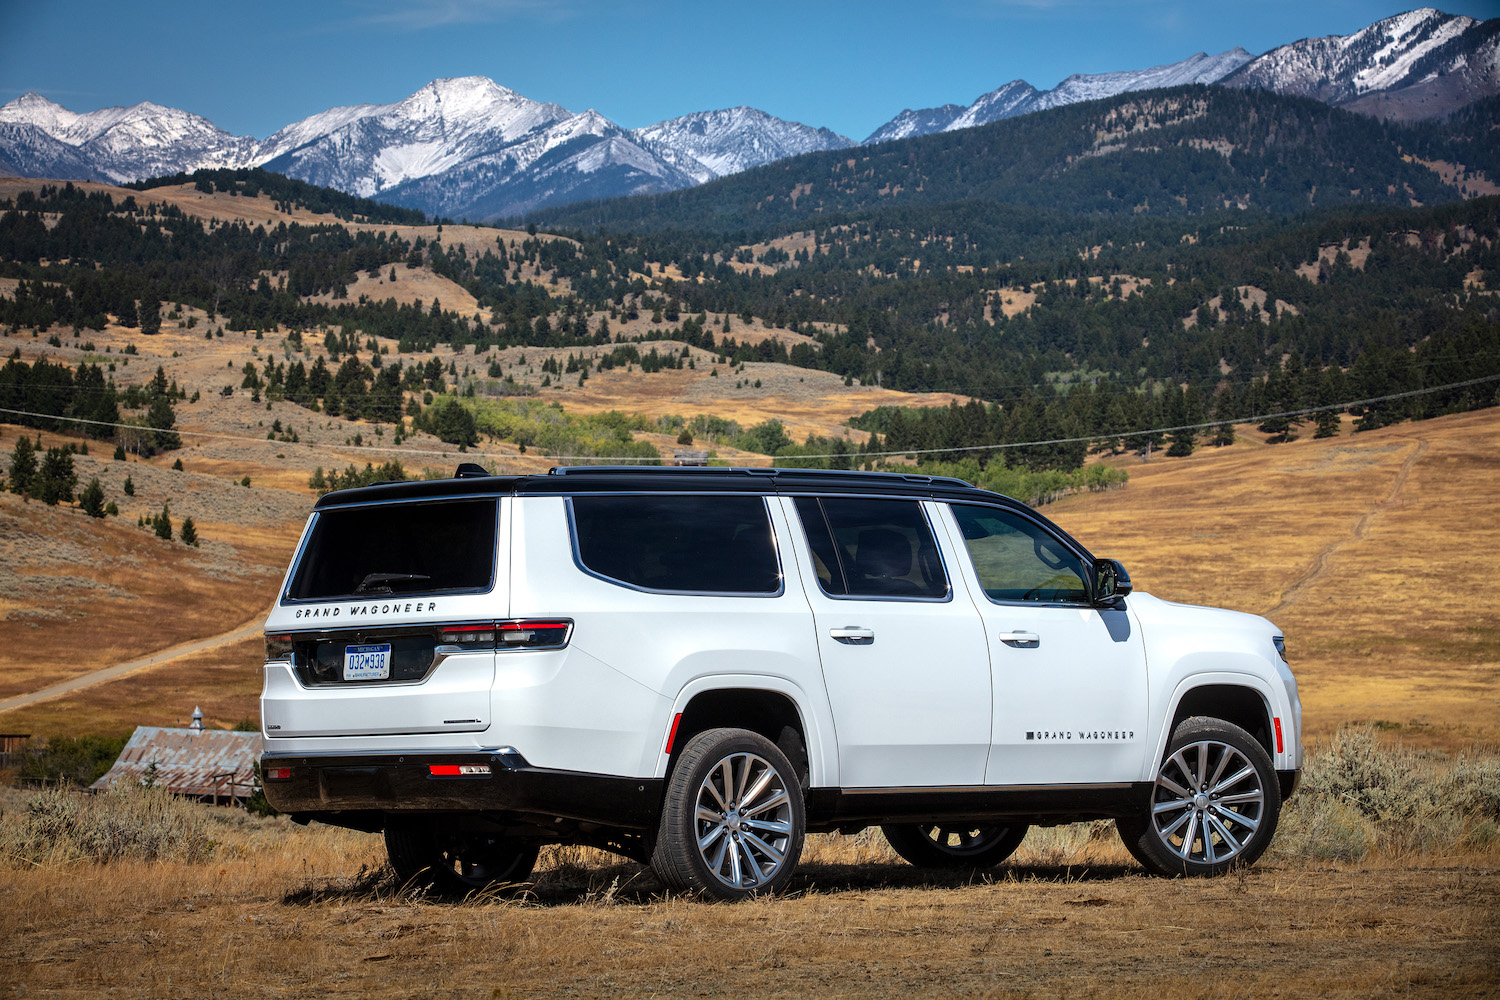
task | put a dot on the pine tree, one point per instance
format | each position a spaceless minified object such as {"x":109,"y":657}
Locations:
{"x":162,"y":523}
{"x":22,"y":466}
{"x":129,"y":487}
{"x":189,"y":533}
{"x":56,"y":480}
{"x":150,"y":315}
{"x":119,"y":453}
{"x":91,"y":500}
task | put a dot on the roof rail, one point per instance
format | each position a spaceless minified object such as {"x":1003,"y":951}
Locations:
{"x":577,"y":470}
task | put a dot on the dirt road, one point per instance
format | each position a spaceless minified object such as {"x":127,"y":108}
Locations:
{"x":119,"y":670}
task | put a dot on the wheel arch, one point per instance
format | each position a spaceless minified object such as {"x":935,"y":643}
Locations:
{"x":1240,"y":699}
{"x":774,"y":710}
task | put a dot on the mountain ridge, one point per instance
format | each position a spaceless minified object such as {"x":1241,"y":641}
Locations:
{"x":468,"y":147}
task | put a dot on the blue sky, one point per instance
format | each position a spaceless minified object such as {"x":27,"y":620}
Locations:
{"x":254,"y":67}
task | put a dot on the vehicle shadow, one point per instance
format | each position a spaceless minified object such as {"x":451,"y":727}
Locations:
{"x":629,"y":883}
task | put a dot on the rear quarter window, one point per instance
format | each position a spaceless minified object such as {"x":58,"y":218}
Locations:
{"x":403,"y":548}
{"x":678,"y":544}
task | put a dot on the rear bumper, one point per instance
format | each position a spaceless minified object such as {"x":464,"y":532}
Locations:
{"x":350,"y":789}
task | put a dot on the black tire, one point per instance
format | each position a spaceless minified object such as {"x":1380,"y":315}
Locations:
{"x":455,"y":864}
{"x":954,"y":845}
{"x":1214,"y":806}
{"x":714,"y":842}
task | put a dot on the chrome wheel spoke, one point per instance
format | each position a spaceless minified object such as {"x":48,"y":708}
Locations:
{"x":705,"y":842}
{"x":1174,"y":787}
{"x":1245,"y":772}
{"x":1224,"y":834}
{"x":756,"y":789}
{"x":1171,"y":804}
{"x":770,"y":853}
{"x":707,"y":815}
{"x":1239,"y":819}
{"x":767,"y":825}
{"x":1256,"y":797}
{"x":774,"y":802}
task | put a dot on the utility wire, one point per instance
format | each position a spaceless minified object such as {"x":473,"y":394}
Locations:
{"x":848,"y":454}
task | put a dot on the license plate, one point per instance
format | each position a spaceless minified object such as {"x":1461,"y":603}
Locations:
{"x":367,"y":663}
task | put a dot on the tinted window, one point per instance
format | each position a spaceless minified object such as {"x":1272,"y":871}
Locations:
{"x":694,"y":544}
{"x":872,"y":548}
{"x":409,"y":548}
{"x":1018,"y":560}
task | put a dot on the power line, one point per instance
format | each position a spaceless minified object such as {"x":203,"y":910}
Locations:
{"x":848,"y":454}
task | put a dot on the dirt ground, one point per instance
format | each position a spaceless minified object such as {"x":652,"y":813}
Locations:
{"x":296,"y":912}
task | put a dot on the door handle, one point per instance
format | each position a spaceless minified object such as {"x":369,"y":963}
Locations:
{"x":1021,"y":640}
{"x":852,"y":635}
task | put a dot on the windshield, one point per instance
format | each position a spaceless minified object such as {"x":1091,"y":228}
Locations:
{"x":405,"y":548}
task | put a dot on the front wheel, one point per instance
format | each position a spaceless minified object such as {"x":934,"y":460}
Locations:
{"x":732,"y":819}
{"x":1214,"y":804}
{"x":954,"y":845}
{"x":456,"y":863}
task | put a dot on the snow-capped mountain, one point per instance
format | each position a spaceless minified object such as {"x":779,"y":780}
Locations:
{"x":123,"y":144}
{"x":1419,"y":64}
{"x":581,"y":157}
{"x":921,"y":122}
{"x":27,"y":151}
{"x":368,"y":149}
{"x":1020,"y":98}
{"x":464,"y":147}
{"x":709,"y":144}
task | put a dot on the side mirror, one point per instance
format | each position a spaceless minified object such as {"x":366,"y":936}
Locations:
{"x":1111,"y":582}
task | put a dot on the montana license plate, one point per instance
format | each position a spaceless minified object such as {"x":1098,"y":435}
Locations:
{"x":367,"y":663}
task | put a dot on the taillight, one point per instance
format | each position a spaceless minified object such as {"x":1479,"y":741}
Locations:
{"x":474,"y":636}
{"x":533,"y":633}
{"x":278,"y":647}
{"x":277,"y":774}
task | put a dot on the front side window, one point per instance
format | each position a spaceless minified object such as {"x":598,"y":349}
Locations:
{"x":872,"y":548}
{"x":684,"y":544}
{"x":398,"y":548}
{"x":1018,"y":560}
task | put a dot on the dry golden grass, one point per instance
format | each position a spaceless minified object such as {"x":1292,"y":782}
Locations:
{"x":1370,"y":550}
{"x":284,"y":911}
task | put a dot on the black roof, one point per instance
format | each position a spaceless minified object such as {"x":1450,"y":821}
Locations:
{"x":570,"y":480}
{"x":582,"y":479}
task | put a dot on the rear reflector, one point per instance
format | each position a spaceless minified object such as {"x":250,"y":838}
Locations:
{"x":1277,"y":723}
{"x":457,"y":770}
{"x":278,"y":774}
{"x":672,"y":736}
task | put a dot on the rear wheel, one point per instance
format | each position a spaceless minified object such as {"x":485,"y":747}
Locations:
{"x":732,"y":819}
{"x":954,"y":845}
{"x":456,"y":863}
{"x":1214,"y":804}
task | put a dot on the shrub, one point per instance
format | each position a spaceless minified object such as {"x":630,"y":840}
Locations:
{"x":129,"y":822}
{"x":82,"y":759}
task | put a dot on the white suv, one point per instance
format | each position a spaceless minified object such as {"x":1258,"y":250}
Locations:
{"x":693,"y":667}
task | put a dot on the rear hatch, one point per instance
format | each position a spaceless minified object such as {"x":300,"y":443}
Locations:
{"x":386,"y":621}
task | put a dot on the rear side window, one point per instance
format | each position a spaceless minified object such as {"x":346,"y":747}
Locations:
{"x":872,"y":548}
{"x":684,"y":544}
{"x":407,"y":548}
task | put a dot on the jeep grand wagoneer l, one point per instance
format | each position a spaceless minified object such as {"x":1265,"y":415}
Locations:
{"x":694,"y":667}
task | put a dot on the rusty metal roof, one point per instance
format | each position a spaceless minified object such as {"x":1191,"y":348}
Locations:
{"x":187,"y":760}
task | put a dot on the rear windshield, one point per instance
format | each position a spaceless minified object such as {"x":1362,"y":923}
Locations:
{"x":405,"y":548}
